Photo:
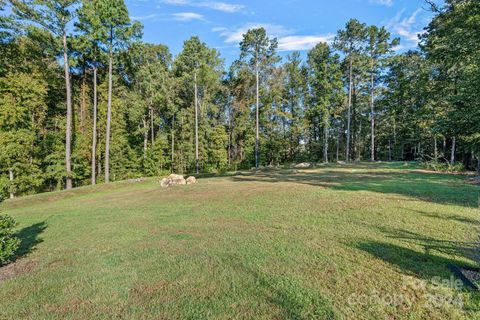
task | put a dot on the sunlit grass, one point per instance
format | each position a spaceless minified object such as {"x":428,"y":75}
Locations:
{"x":270,"y":245}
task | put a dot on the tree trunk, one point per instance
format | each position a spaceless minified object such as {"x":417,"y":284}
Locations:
{"x":435,"y":155}
{"x":372,"y":115}
{"x":445,"y":147}
{"x":68,"y":138}
{"x":338,"y":145}
{"x":257,"y":135}
{"x":152,"y":128}
{"x":109,"y":109}
{"x":173,"y":143}
{"x":325,"y":141}
{"x":394,"y":138}
{"x":145,"y":140}
{"x":182,"y":166}
{"x":389,"y":150}
{"x":83,"y":104}
{"x":357,"y":145}
{"x":94,"y":130}
{"x":229,"y":151}
{"x":452,"y":156}
{"x":347,"y":156}
{"x":196,"y":126}
{"x":478,"y":164}
{"x":10,"y":173}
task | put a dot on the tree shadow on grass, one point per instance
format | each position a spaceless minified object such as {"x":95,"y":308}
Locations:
{"x":425,"y":265}
{"x":426,"y":186}
{"x":448,"y":217}
{"x":433,"y":258}
{"x":29,"y":237}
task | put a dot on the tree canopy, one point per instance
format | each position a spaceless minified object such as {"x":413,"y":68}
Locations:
{"x":85,"y":100}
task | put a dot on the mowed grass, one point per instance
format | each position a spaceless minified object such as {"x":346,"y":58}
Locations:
{"x":313,"y":244}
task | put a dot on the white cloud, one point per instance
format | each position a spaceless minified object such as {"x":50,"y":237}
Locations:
{"x":287,"y":39}
{"x":181,"y":16}
{"x":147,"y":17}
{"x":387,"y":3}
{"x":187,"y":16}
{"x":214,"y":5}
{"x":407,"y":28}
{"x":236,"y":35}
{"x":219,"y":29}
{"x":300,"y":43}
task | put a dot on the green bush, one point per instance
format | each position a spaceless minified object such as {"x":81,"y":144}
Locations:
{"x":444,"y":166}
{"x":8,"y":242}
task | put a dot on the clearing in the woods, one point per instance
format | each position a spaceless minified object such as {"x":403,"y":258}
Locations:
{"x":356,"y":241}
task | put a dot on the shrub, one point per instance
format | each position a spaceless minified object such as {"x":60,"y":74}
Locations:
{"x":444,"y":167}
{"x":8,"y":242}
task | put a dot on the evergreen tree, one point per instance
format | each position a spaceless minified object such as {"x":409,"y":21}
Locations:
{"x":203,"y":64}
{"x":116,"y":31}
{"x":378,"y":45}
{"x":325,"y":83}
{"x":54,"y":16}
{"x":294,"y":105}
{"x":258,"y":51}
{"x":22,"y":115}
{"x":351,"y":42}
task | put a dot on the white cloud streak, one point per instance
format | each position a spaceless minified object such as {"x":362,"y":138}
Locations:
{"x":301,"y":43}
{"x":407,"y":28}
{"x":214,"y":5}
{"x":187,"y":16}
{"x":152,"y":16}
{"x":387,"y":3}
{"x":287,"y":40}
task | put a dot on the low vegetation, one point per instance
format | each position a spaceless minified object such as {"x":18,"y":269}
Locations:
{"x":8,"y":242}
{"x":444,"y":167}
{"x":337,"y":241}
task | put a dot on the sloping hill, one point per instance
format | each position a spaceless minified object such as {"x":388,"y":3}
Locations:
{"x":338,"y":241}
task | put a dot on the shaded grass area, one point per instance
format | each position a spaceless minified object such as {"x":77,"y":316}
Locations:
{"x":266,"y":245}
{"x":409,"y":181}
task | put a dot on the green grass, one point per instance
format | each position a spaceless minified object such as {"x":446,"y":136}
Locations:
{"x":270,"y":245}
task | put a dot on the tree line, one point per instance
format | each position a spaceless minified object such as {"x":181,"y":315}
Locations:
{"x":84,"y":100}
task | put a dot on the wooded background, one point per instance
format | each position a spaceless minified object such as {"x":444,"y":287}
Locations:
{"x":84,"y":100}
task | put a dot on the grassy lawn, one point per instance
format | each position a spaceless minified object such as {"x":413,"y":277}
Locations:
{"x":320,"y":243}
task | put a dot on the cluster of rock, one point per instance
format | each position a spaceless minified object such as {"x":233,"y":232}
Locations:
{"x":304,"y":165}
{"x":308,"y":165}
{"x":177,"y":180}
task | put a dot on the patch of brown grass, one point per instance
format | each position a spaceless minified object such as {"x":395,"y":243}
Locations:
{"x":17,"y":268}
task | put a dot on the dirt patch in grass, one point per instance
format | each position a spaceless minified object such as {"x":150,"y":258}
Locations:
{"x":17,"y":268}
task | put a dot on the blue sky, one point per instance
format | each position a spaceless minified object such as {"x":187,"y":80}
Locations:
{"x":298,"y":24}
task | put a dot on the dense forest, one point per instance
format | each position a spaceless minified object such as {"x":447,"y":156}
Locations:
{"x":84,"y":100}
